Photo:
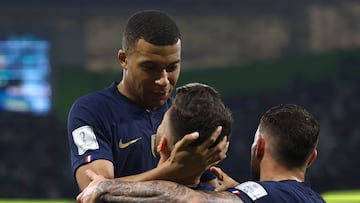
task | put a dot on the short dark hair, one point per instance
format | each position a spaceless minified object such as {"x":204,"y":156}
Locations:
{"x":198,"y":107}
{"x":155,"y":27}
{"x":294,"y":133}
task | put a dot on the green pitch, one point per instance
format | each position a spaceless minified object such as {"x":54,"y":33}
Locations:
{"x":352,"y":196}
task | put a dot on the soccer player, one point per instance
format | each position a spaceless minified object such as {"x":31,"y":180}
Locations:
{"x":196,"y":107}
{"x":284,"y":147}
{"x":110,"y":130}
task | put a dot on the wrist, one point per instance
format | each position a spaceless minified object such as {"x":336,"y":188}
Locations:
{"x":104,"y":187}
{"x":166,"y":171}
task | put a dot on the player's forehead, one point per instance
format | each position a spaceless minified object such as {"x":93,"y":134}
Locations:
{"x":147,"y":48}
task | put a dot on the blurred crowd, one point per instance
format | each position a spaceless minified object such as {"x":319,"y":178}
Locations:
{"x":35,"y":157}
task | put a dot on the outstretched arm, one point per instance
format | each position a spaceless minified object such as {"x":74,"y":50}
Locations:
{"x":162,"y":191}
{"x":185,"y":160}
{"x":101,"y":189}
{"x":150,"y":191}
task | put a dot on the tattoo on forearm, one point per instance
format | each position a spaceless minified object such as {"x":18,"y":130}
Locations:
{"x":158,"y":191}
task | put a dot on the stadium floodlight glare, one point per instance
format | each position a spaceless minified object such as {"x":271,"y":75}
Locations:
{"x":24,"y":76}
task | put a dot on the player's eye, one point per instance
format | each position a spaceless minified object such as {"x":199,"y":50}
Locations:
{"x":148,"y":67}
{"x":172,"y":68}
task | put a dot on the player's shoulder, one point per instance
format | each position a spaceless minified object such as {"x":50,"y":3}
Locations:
{"x":275,"y":191}
{"x":254,"y":190}
{"x":291,"y":190}
{"x":98,"y":96}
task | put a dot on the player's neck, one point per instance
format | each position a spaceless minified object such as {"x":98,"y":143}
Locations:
{"x":125,"y":90}
{"x":275,"y":172}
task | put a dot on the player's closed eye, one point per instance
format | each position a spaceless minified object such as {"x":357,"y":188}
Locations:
{"x":149,"y":67}
{"x":172,"y":68}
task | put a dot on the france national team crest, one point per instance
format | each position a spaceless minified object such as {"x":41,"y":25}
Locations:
{"x":253,"y":189}
{"x":85,"y":139}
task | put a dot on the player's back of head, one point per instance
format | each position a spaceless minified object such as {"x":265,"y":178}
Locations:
{"x":198,"y":107}
{"x":294,"y":133}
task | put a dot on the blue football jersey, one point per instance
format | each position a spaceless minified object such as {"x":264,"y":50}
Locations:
{"x":271,"y":191}
{"x":107,"y":125}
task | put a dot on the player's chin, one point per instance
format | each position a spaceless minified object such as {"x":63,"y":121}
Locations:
{"x":161,"y":98}
{"x":156,"y":102}
{"x":161,"y":102}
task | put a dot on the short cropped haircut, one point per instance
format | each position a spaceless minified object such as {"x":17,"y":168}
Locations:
{"x":198,"y":107}
{"x":294,"y":132}
{"x":153,"y":26}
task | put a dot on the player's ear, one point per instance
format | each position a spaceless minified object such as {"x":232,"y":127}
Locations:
{"x":312,"y":157}
{"x":163,"y":145}
{"x":260,"y":147}
{"x":163,"y":151}
{"x":122,"y":58}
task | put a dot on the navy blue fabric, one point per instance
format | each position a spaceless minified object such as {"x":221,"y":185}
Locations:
{"x":282,"y":192}
{"x":113,"y":117}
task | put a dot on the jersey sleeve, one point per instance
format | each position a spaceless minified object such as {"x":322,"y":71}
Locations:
{"x":87,"y":138}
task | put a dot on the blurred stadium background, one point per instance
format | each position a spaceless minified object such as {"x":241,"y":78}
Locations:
{"x":256,"y":53}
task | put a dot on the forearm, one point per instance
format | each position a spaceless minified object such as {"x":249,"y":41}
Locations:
{"x":158,"y":191}
{"x":149,"y":191}
{"x":186,"y":161}
{"x":166,"y":171}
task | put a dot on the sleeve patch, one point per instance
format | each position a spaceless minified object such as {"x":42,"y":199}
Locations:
{"x":85,"y":139}
{"x":252,"y":189}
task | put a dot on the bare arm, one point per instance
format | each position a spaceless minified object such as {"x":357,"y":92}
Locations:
{"x":184,"y":162}
{"x":104,"y":168}
{"x":155,"y":191}
{"x":147,"y":191}
{"x":189,"y":160}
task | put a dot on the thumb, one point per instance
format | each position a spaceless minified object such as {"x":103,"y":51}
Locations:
{"x":217,"y":172}
{"x":91,"y":174}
